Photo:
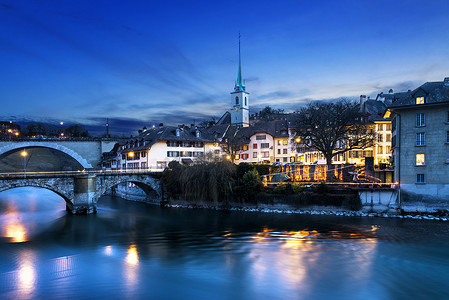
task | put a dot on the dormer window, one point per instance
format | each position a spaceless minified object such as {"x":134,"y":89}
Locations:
{"x":178,"y":132}
{"x":420,"y":100}
{"x":236,"y":100}
{"x":198,"y":134}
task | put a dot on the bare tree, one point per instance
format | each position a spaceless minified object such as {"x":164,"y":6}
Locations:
{"x":232,"y":141}
{"x":332,"y":129}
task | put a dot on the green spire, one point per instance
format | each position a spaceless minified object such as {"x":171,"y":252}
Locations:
{"x":239,"y":85}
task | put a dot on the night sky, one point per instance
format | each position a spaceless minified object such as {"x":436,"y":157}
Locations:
{"x":144,"y":62}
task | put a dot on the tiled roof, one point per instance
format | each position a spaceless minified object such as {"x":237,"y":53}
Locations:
{"x":277,"y":129}
{"x":434,"y":92}
{"x":168,"y":133}
{"x":374,"y":109}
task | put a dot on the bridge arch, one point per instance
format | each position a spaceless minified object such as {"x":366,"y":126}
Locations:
{"x":24,"y":183}
{"x":150,"y":186}
{"x":17,"y":146}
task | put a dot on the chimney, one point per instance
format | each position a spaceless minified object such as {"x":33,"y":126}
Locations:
{"x":390,"y":91}
{"x":446,"y":81}
{"x":362,"y":101}
{"x":161,"y":125}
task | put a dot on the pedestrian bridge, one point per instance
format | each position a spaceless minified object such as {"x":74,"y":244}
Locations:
{"x":81,"y":190}
{"x":87,"y":152}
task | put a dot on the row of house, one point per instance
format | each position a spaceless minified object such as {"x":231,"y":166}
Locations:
{"x":240,"y":139}
{"x":412,"y":130}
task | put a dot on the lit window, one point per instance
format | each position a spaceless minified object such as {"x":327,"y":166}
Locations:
{"x":380,"y":150}
{"x":420,"y":161}
{"x":237,"y":156}
{"x":420,"y":121}
{"x":380,"y":127}
{"x":419,"y":178}
{"x":279,"y":142}
{"x":419,"y":100}
{"x":420,"y":139}
{"x":388,"y":149}
{"x":285,"y":142}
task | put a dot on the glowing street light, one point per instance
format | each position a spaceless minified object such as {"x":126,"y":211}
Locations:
{"x":24,"y":154}
{"x":131,"y":154}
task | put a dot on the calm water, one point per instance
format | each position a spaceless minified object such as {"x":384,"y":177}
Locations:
{"x":135,"y":251}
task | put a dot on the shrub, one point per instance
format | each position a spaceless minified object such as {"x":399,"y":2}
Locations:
{"x":201,"y":182}
{"x":250,"y":185}
{"x":288,"y":189}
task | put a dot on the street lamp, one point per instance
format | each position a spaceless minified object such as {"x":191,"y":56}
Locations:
{"x":131,"y":155}
{"x":24,"y":154}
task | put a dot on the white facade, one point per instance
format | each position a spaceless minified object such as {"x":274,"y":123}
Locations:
{"x":240,"y":108}
{"x":161,"y":153}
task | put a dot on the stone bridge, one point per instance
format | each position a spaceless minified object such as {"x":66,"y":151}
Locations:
{"x":87,"y":152}
{"x":82,"y":191}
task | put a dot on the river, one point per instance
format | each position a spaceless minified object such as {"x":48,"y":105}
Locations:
{"x":131,"y":250}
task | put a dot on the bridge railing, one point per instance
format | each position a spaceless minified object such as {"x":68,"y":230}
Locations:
{"x":79,"y":172}
{"x":341,"y":184}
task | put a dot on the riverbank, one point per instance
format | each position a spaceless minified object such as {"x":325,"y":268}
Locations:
{"x":335,"y":211}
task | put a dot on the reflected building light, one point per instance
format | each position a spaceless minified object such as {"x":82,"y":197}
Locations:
{"x":131,"y":268}
{"x":108,"y":250}
{"x":26,"y":274}
{"x":132,"y":257}
{"x":16,"y":232}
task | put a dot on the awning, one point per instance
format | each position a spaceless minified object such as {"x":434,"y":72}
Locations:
{"x":186,"y":161}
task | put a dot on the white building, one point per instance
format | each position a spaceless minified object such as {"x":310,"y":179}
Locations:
{"x":154,"y":148}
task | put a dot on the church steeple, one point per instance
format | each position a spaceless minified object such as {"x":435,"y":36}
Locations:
{"x":239,"y":85}
{"x":239,"y":99}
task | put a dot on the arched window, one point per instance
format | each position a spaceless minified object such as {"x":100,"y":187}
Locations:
{"x":246,"y":101}
{"x":236,"y":99}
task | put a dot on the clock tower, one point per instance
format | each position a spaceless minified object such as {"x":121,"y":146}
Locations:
{"x":240,"y":100}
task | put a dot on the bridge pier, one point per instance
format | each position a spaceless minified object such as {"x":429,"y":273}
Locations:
{"x":84,"y":202}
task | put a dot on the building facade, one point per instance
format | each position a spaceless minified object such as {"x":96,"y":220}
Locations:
{"x":421,"y":142}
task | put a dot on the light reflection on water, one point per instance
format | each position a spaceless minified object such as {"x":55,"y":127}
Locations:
{"x":130,"y":250}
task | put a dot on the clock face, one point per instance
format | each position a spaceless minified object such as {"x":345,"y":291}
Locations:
{"x":236,"y":108}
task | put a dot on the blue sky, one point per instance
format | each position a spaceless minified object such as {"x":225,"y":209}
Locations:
{"x":144,"y":62}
